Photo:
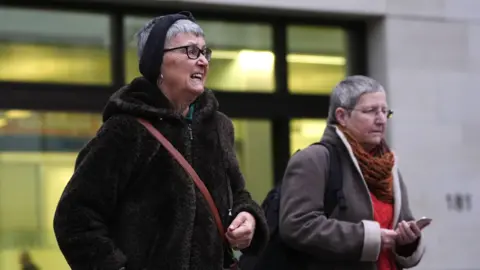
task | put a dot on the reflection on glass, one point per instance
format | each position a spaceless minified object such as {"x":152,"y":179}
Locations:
{"x":316,"y":58}
{"x":54,"y":47}
{"x":242,"y":70}
{"x":242,"y":59}
{"x":130,"y":27}
{"x":254,"y":152}
{"x":37,"y":155}
{"x":304,"y":132}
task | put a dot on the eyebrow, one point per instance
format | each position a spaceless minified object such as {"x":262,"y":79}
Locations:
{"x":373,"y":107}
{"x":196,"y":44}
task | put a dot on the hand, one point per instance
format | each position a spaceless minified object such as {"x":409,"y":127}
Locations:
{"x":408,"y":232}
{"x":388,"y":238}
{"x":240,"y":232}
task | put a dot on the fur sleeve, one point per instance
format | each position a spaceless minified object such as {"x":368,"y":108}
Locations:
{"x":102,"y":170}
{"x":242,"y":201}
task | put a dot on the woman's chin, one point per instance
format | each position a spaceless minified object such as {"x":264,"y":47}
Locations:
{"x":196,"y":90}
{"x":376,"y":140}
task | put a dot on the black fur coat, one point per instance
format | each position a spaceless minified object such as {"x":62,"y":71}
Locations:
{"x":129,"y":204}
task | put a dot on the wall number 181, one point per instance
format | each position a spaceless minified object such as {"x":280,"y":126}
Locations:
{"x":459,"y":202}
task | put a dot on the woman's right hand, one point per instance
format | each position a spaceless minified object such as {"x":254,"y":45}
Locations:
{"x":388,"y":238}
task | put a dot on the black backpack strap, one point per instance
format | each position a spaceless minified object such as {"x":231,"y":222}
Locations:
{"x":334,"y":187}
{"x":271,"y":208}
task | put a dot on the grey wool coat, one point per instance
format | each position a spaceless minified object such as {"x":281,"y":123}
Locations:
{"x":350,"y":238}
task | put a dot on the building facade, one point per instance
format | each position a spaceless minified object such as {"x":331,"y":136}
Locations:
{"x":273,"y":66}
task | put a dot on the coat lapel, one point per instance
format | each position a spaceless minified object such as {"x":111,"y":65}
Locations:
{"x":397,"y":193}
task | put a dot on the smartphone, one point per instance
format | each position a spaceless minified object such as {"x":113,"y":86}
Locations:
{"x":423,"y":222}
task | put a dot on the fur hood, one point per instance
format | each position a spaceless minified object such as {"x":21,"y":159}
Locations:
{"x":142,"y":99}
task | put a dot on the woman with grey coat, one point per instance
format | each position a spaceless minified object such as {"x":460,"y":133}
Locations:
{"x":376,"y":230}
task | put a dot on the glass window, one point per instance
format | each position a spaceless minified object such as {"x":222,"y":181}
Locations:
{"x":304,"y":132}
{"x":316,"y":58}
{"x":130,"y":27}
{"x":54,"y":47}
{"x":37,"y":155}
{"x":242,"y":58}
{"x":254,"y":153}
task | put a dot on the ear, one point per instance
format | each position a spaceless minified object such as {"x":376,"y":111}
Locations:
{"x":159,"y":80}
{"x":341,"y":115}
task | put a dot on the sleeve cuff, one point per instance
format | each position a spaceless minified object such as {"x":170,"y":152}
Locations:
{"x":414,"y":259}
{"x":372,"y":241}
{"x":261,"y":234}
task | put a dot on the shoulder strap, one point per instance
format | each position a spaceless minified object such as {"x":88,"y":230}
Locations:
{"x":188,"y":168}
{"x":334,"y":188}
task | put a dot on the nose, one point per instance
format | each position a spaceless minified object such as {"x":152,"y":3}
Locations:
{"x":381,"y":118}
{"x":202,"y":60}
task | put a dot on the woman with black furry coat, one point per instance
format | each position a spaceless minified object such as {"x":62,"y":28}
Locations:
{"x":129,"y":204}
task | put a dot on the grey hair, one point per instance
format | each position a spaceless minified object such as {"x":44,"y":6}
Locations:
{"x":347,"y":93}
{"x":180,"y":26}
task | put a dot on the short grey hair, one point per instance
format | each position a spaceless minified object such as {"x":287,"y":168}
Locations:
{"x":180,"y":26}
{"x":347,"y":93}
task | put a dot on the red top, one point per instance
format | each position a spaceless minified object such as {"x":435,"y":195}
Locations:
{"x":383,"y":214}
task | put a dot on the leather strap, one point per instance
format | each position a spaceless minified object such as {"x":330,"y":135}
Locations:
{"x":188,"y":168}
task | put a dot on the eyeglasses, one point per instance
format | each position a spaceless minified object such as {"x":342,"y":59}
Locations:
{"x":374,"y":112}
{"x":193,"y":52}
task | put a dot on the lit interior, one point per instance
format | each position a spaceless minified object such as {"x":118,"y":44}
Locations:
{"x":304,"y":132}
{"x":250,"y":70}
{"x":241,"y":70}
{"x":30,"y":202}
{"x":56,"y":64}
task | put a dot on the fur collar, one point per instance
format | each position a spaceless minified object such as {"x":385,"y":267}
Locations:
{"x":142,"y":99}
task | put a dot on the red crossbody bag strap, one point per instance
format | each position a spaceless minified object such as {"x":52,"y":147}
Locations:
{"x":188,"y":168}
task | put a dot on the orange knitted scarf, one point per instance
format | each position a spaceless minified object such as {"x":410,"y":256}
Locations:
{"x":376,"y":167}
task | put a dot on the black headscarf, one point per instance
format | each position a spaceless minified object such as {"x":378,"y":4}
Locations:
{"x":152,"y":56}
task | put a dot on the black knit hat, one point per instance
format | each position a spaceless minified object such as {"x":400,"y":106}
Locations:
{"x":152,"y":56}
